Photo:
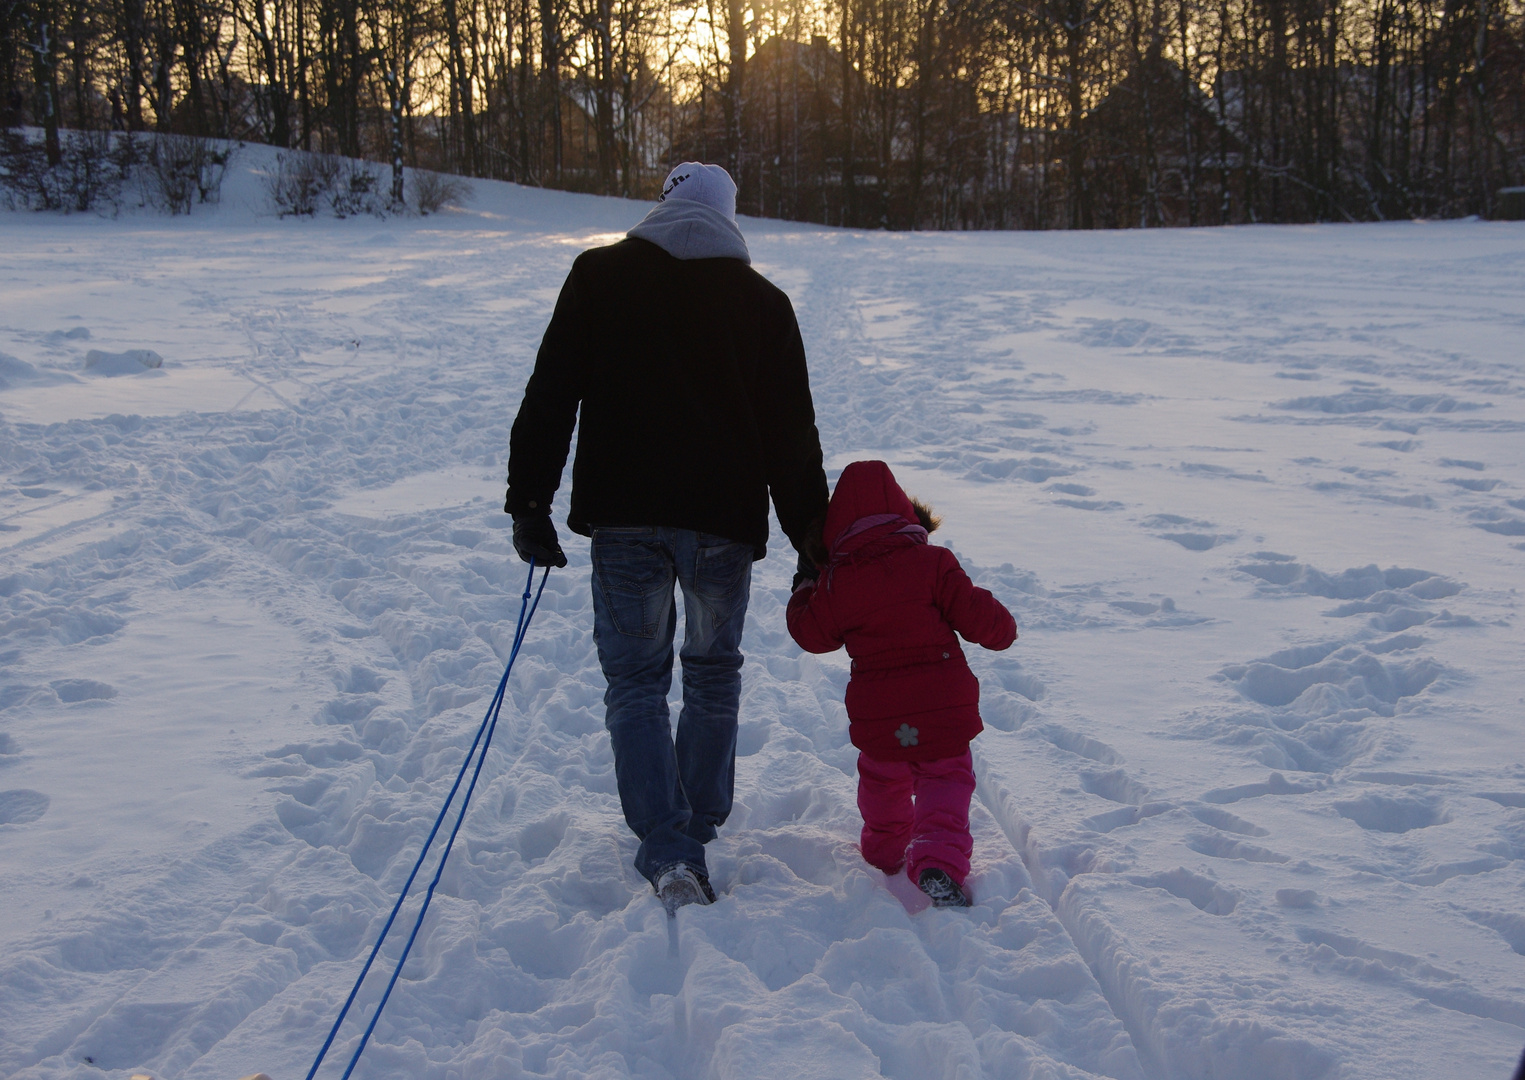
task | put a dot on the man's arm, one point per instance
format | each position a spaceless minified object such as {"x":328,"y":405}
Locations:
{"x":791,"y":443}
{"x":542,"y":432}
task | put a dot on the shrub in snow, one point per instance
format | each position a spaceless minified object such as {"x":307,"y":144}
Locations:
{"x":90,"y":172}
{"x":431,"y":191}
{"x":183,"y":170}
{"x":297,"y":184}
{"x":304,"y":184}
{"x":97,"y":170}
{"x":357,"y":190}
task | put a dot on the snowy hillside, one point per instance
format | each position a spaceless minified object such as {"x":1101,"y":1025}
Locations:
{"x":1252,"y":793}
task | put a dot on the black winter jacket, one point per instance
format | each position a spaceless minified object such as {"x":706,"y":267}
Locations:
{"x":695,"y":401}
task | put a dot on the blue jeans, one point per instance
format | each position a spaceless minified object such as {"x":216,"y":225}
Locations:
{"x":675,"y":792}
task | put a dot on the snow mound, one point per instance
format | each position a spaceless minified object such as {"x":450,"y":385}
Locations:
{"x":15,"y":373}
{"x":130,"y":362}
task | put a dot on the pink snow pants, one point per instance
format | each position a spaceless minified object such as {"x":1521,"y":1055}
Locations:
{"x":917,"y":812}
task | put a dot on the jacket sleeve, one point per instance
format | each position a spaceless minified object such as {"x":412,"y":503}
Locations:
{"x":791,"y":443}
{"x":976,"y":614}
{"x":542,"y":432}
{"x":810,"y":623}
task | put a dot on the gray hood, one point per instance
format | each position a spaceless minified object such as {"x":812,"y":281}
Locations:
{"x":687,"y":229}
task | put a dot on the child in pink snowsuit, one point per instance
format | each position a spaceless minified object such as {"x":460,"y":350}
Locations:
{"x":899,"y":605}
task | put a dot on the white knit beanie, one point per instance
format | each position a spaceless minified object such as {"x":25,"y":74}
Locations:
{"x":708,"y":184}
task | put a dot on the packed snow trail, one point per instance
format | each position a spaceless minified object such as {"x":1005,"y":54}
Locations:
{"x":1251,"y":799}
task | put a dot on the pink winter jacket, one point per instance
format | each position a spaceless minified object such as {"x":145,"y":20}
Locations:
{"x":895,"y":601}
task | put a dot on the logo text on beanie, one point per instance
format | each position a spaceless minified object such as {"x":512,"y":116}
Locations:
{"x":672,"y":185}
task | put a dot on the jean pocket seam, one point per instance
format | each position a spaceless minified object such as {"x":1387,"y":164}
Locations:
{"x":615,"y":599}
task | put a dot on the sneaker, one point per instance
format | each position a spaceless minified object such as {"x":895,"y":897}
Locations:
{"x":681,"y":885}
{"x":705,"y":887}
{"x":944,"y":891}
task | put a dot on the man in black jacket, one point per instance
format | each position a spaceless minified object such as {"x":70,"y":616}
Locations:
{"x":690,"y":374}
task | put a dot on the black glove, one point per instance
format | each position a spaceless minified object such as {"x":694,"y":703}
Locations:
{"x":805,"y":571}
{"x":535,"y":537}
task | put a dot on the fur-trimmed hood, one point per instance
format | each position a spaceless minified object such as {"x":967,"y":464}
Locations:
{"x":868,"y":505}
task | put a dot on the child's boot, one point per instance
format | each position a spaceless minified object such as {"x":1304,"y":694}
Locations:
{"x":944,"y":891}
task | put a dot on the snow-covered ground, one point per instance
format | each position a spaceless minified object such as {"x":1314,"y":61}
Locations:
{"x":1252,"y":793}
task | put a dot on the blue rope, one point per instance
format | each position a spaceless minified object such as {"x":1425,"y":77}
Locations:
{"x":488,"y":726}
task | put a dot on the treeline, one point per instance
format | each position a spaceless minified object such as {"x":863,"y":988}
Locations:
{"x":874,"y":113}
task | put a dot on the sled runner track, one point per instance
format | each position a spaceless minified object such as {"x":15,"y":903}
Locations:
{"x":48,"y":535}
{"x":1001,"y":802}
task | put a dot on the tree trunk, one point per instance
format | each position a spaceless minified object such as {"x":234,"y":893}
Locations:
{"x":304,"y":91}
{"x":603,"y":104}
{"x":462,"y":109}
{"x":926,"y":80}
{"x":1074,"y":45}
{"x":45,"y":70}
{"x":550,"y":86}
{"x":395,"y":84}
{"x":735,"y":85}
{"x":279,"y":94}
{"x":132,"y":45}
{"x":1188,"y":113}
{"x":849,"y":78}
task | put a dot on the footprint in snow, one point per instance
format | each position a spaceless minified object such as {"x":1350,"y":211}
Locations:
{"x":1498,"y":521}
{"x":1144,"y":607}
{"x":1307,"y":686}
{"x":1199,"y":468}
{"x":1397,"y":779}
{"x":1276,"y":784}
{"x":1201,"y":892}
{"x":1124,"y":816}
{"x":1514,"y":799}
{"x":1114,"y":785}
{"x":1285,"y":575}
{"x":1508,"y":924}
{"x":1034,"y":470}
{"x":1473,"y":483}
{"x":1393,"y":813}
{"x":1218,"y":846}
{"x":21,"y":806}
{"x":1158,"y":614}
{"x":1009,"y":674}
{"x":1187,"y":532}
{"x":1329,"y":677}
{"x":1081,"y":745}
{"x":70,"y":691}
{"x":1084,"y":500}
{"x":1196,"y":541}
{"x":1227,"y":822}
{"x":1089,"y":504}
